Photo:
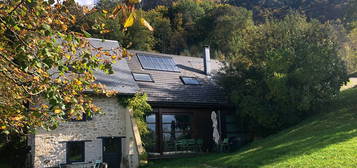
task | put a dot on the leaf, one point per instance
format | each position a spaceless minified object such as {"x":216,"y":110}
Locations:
{"x":6,"y":132}
{"x":134,"y":1}
{"x":57,"y":111}
{"x":116,"y":11}
{"x":104,"y":31}
{"x":129,"y":21}
{"x":146,"y":24}
{"x":86,"y":34}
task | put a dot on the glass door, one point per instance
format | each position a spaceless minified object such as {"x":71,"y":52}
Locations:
{"x":175,"y":127}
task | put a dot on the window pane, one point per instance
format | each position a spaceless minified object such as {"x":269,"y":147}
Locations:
{"x":75,"y":152}
{"x":168,"y":118}
{"x":178,"y":127}
{"x":152,"y":127}
{"x":190,"y":81}
{"x":142,"y":77}
{"x":151,"y":118}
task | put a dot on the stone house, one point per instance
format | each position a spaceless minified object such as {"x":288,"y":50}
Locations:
{"x":182,"y":93}
{"x":112,"y":137}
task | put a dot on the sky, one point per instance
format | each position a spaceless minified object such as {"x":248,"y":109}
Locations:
{"x":86,"y":2}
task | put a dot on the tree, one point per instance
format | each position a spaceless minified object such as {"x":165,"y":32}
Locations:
{"x":134,"y":37}
{"x":162,"y":25}
{"x":138,"y":37}
{"x":43,"y":74}
{"x":221,"y":27}
{"x":282,"y":71}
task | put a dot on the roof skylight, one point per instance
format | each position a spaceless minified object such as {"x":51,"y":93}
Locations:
{"x":189,"y":80}
{"x":142,"y":77}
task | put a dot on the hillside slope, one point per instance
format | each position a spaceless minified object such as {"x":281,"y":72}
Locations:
{"x":328,"y":139}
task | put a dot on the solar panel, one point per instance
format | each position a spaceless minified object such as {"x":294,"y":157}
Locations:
{"x":154,"y":62}
{"x":189,"y":80}
{"x":142,"y":77}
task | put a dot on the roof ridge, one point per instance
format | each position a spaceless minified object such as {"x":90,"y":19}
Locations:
{"x":103,"y":40}
{"x":171,"y":55}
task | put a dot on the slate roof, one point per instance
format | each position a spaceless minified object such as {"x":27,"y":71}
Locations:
{"x":121,"y":80}
{"x":168,"y":87}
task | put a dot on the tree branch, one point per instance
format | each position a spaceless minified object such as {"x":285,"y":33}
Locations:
{"x":17,"y":6}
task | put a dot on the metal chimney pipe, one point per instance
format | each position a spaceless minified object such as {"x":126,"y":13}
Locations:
{"x":207,"y":60}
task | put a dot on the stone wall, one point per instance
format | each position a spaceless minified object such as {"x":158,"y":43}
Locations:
{"x":49,"y":147}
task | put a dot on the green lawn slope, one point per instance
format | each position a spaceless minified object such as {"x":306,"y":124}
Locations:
{"x":328,"y":139}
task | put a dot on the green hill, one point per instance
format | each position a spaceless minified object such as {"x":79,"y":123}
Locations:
{"x":328,"y":139}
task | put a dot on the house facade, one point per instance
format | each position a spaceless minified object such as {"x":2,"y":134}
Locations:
{"x":182,"y":92}
{"x":111,"y":137}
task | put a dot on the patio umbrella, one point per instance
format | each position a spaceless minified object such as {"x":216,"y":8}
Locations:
{"x":215,"y":127}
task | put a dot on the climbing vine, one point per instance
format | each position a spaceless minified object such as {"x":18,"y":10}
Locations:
{"x":140,"y":108}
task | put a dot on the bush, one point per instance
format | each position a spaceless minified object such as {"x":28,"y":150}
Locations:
{"x":281,"y":71}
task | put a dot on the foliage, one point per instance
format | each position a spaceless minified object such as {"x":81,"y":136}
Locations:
{"x":220,"y":28}
{"x":184,"y":26}
{"x":348,"y":51}
{"x":325,"y":140}
{"x":163,"y":31}
{"x":282,"y":71}
{"x":45,"y":65}
{"x":140,"y":108}
{"x":130,"y":33}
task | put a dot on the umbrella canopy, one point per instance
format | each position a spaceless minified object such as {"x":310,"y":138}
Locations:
{"x":215,"y":127}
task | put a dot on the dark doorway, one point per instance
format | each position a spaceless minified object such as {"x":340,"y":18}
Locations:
{"x":112,"y":151}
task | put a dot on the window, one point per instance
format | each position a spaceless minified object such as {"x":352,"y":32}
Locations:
{"x":142,"y":77}
{"x":75,"y":151}
{"x":231,"y":128}
{"x":175,"y":127}
{"x":154,"y":62}
{"x":189,"y":80}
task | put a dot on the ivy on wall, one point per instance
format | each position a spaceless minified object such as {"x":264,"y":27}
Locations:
{"x":140,"y":108}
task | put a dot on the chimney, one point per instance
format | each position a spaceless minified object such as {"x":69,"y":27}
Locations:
{"x":207,"y":60}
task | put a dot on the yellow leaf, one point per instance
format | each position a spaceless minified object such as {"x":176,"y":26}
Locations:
{"x":58,"y":80}
{"x":49,"y":20}
{"x":57,"y":111}
{"x":134,"y":1}
{"x":146,"y":24}
{"x":17,"y":118}
{"x":3,"y":127}
{"x":64,"y":27}
{"x":129,"y":21}
{"x":44,"y":106}
{"x":36,"y":78}
{"x":105,"y":11}
{"x":78,"y":82}
{"x":67,"y":99}
{"x":67,"y":56}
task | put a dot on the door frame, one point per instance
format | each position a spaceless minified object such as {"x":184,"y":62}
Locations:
{"x":121,"y":143}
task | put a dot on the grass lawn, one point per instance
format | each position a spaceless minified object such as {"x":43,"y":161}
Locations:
{"x":350,"y":84}
{"x":325,"y":140}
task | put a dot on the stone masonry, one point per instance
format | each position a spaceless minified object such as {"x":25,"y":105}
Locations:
{"x":48,"y":148}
